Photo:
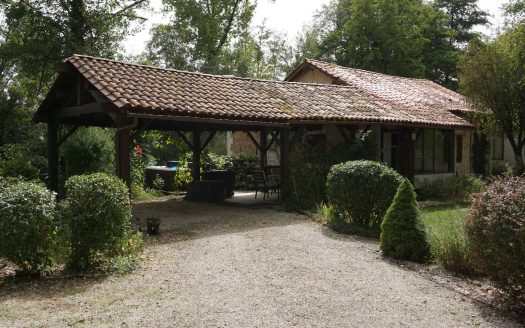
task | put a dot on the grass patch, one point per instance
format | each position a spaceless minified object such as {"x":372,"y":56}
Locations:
{"x":446,"y":236}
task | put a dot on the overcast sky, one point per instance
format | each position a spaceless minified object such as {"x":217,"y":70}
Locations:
{"x":287,"y":16}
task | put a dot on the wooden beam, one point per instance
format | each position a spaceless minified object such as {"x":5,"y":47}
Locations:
{"x":196,"y":151}
{"x":64,"y":68}
{"x":76,"y":111}
{"x":143,"y":127}
{"x":285,"y":159}
{"x":207,"y":141}
{"x":68,"y":134}
{"x":274,"y":137}
{"x":343,"y":133}
{"x":52,"y":155}
{"x":123,"y":150}
{"x":186,"y":141}
{"x":252,"y":138}
{"x":210,"y":121}
{"x":263,"y":141}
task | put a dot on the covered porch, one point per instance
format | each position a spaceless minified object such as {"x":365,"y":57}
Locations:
{"x":133,"y":99}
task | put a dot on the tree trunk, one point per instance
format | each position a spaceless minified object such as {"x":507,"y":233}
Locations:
{"x":520,"y":168}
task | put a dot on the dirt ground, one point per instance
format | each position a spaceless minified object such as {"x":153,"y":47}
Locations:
{"x":225,"y":266}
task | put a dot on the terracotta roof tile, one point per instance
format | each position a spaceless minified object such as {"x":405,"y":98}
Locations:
{"x":417,"y":93}
{"x":139,"y":88}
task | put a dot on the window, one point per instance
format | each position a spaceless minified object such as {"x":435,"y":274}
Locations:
{"x":497,"y":146}
{"x":434,"y":151}
{"x":459,"y":149}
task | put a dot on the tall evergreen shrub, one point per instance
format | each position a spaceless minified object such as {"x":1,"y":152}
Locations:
{"x":402,"y":232}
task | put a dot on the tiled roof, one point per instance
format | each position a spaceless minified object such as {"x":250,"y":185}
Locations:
{"x":406,"y":92}
{"x":147,"y":89}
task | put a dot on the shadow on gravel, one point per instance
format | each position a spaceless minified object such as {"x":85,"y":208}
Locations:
{"x":224,"y":226}
{"x":55,"y":286}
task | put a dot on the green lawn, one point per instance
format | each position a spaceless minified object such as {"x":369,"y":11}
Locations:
{"x":449,"y":217}
{"x":444,"y":225}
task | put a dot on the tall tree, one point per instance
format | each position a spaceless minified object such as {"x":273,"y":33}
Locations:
{"x":411,"y":38}
{"x":36,"y":34}
{"x":377,"y":35}
{"x":461,"y":18}
{"x":514,"y":10}
{"x":259,"y":53}
{"x":499,"y":87}
{"x":39,"y":33}
{"x":198,"y":33}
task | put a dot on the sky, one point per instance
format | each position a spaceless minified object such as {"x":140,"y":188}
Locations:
{"x":287,"y":16}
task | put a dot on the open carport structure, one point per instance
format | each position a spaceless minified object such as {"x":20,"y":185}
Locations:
{"x":134,"y":98}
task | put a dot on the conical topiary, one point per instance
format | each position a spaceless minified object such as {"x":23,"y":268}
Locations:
{"x":402,"y":232}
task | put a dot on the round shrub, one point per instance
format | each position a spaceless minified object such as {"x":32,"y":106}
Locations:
{"x":403,"y":234}
{"x":100,"y":219}
{"x":28,"y":226}
{"x":359,"y":193}
{"x":495,"y":229}
{"x":89,"y":150}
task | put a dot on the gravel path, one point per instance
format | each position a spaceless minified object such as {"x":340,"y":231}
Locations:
{"x":221,"y":266}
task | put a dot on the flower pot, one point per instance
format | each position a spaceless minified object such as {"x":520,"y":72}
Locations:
{"x":153,"y":226}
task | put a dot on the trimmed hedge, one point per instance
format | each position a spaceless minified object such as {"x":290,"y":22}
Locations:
{"x":28,"y":226}
{"x":360,"y":193}
{"x":100,"y":219}
{"x":495,"y":229}
{"x":403,"y":234}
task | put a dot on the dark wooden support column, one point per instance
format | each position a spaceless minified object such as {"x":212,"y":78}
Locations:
{"x":264,"y":148}
{"x":407,"y":156}
{"x":285,"y":159}
{"x":123,"y":150}
{"x":52,"y":154}
{"x":196,"y":150}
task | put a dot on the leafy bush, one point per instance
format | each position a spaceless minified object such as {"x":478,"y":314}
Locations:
{"x":218,"y":162}
{"x":360,"y":192}
{"x":307,"y":181}
{"x":89,"y":150}
{"x":182,"y":174}
{"x":100,"y":218}
{"x":243,"y":165}
{"x":454,"y":189}
{"x":495,"y":228}
{"x":28,"y":226}
{"x":446,"y":236}
{"x":402,"y":231}
{"x":502,"y":168}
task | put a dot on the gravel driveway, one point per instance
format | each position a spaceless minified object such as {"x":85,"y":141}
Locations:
{"x":222,"y":266}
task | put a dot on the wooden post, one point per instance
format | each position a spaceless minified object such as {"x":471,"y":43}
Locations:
{"x":263,"y":144}
{"x":196,"y":168}
{"x":285,"y":159}
{"x":52,"y":154}
{"x":123,"y":150}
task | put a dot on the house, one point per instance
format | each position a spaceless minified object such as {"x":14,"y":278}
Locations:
{"x":441,"y":150}
{"x":417,"y":138}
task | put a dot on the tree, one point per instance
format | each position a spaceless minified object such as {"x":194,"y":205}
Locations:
{"x":461,"y":17}
{"x":34,"y":36}
{"x":259,"y":53}
{"x":499,"y":88}
{"x":198,"y":33}
{"x":412,"y":38}
{"x":377,"y":35}
{"x":402,"y":232}
{"x":514,"y":10}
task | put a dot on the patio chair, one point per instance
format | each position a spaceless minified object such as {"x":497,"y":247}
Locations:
{"x":264,"y":185}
